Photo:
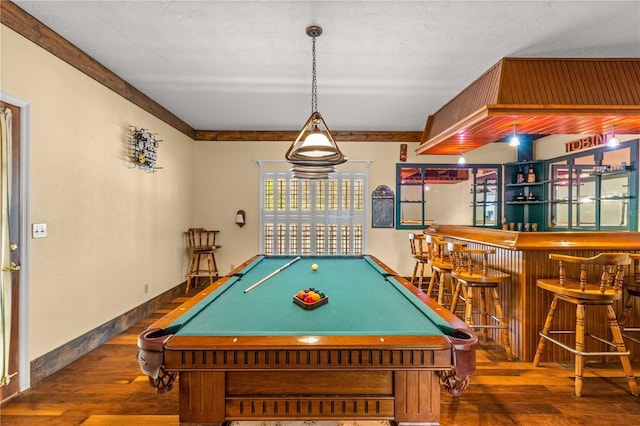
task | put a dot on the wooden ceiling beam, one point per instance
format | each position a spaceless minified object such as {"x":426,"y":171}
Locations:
{"x":290,"y":135}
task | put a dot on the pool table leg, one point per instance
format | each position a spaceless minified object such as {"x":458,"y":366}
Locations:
{"x":202,"y":397}
{"x":417,"y":397}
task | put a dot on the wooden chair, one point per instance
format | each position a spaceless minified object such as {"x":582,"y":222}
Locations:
{"x":602,"y":292}
{"x":202,"y":246}
{"x":419,"y":254}
{"x":632,"y":289}
{"x":473,"y":276}
{"x":441,"y":266}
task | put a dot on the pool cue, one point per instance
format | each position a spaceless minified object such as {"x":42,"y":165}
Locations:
{"x":271,"y":274}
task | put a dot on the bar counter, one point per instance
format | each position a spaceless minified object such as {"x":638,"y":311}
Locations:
{"x":525,"y":255}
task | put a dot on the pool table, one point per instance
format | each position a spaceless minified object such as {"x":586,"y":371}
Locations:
{"x":378,"y":349}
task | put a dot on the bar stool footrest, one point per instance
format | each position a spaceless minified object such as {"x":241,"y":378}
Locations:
{"x":582,"y":353}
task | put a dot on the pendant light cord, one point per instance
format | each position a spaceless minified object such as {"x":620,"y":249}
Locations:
{"x":314,"y":83}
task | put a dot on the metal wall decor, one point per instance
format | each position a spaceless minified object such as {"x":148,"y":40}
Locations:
{"x":144,"y":152}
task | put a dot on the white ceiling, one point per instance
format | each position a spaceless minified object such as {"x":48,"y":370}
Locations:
{"x":382,"y":65}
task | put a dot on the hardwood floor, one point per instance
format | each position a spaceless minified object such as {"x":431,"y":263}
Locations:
{"x":106,"y":387}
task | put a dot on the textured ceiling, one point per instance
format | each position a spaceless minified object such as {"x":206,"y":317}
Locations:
{"x":382,"y":65}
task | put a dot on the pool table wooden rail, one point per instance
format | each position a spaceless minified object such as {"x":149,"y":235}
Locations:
{"x":311,"y":358}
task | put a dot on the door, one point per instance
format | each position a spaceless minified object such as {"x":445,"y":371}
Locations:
{"x":10,"y":382}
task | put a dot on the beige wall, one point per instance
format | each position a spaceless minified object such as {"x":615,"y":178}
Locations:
{"x":111,"y":228}
{"x":554,"y":146}
{"x":227,"y":179}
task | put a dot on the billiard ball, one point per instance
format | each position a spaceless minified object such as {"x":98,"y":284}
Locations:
{"x":314,"y":267}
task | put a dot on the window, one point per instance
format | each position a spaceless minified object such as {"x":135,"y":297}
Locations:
{"x":302,"y":216}
{"x":447,"y":194}
{"x":596,"y":190}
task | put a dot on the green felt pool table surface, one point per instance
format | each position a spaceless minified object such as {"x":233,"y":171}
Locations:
{"x":363,"y":299}
{"x":378,"y":349}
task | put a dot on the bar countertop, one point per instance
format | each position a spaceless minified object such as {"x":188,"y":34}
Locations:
{"x":513,"y":240}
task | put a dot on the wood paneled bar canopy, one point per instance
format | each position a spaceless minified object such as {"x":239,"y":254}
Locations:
{"x":525,"y":255}
{"x":539,"y":96}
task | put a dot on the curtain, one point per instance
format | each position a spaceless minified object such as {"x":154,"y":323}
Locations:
{"x":5,"y":259}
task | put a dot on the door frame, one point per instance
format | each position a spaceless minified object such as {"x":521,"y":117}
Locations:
{"x":24,"y":368}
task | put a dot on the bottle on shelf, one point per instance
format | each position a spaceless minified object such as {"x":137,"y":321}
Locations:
{"x":520,"y":176}
{"x":531,"y":177}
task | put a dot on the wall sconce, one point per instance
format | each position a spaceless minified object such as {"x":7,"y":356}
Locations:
{"x":240,"y":218}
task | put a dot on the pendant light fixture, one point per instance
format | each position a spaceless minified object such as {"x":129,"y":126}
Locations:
{"x":461,"y":159}
{"x":515,"y":140}
{"x":314,"y":153}
{"x":613,"y":142}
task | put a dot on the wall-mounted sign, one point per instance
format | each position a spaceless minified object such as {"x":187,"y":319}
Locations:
{"x":382,"y":207}
{"x":403,"y":152}
{"x":586,"y":143}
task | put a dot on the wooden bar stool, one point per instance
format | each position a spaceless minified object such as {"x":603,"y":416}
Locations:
{"x":632,"y":289}
{"x":202,"y":245}
{"x":473,"y":276}
{"x":602,"y":292}
{"x":441,"y":266}
{"x":419,"y":254}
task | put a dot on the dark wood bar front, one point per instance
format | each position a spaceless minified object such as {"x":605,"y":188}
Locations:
{"x":525,"y":255}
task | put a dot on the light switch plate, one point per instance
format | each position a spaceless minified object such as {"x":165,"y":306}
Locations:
{"x":39,"y":230}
